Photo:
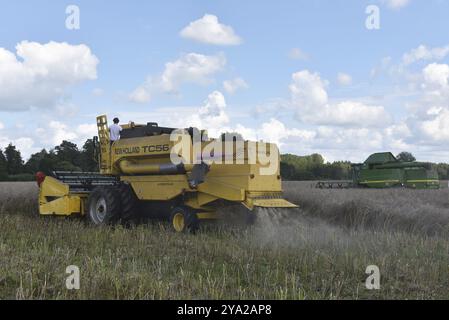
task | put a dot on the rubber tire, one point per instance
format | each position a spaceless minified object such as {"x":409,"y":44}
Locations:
{"x":191,"y":221}
{"x":129,"y":205}
{"x":112,"y":199}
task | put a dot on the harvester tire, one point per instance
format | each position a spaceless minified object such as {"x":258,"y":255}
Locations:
{"x":184,"y":219}
{"x":103,"y":206}
{"x":130,"y":204}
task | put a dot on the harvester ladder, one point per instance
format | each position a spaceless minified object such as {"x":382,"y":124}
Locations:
{"x":105,"y":144}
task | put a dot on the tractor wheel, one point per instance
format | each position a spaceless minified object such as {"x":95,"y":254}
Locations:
{"x":184,"y":219}
{"x":130,"y":204}
{"x":103,"y":206}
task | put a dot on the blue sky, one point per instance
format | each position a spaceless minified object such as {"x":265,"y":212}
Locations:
{"x":308,"y":75}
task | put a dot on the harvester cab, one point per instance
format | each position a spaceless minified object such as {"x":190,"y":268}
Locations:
{"x":180,"y":173}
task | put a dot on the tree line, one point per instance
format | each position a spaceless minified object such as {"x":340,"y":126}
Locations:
{"x":65,"y":157}
{"x":68,"y":157}
{"x":313,"y":167}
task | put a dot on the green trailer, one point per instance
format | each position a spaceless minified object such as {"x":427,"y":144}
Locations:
{"x":383,"y":170}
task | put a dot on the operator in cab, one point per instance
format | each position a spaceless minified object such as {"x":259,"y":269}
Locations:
{"x":114,"y":130}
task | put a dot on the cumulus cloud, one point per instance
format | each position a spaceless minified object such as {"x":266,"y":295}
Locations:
{"x":311,"y":102}
{"x":55,"y":132}
{"x":429,"y":121}
{"x":275,"y":131}
{"x":209,"y":30}
{"x":424,"y":53}
{"x":38,"y":75}
{"x":192,"y":67}
{"x":436,"y":130}
{"x":140,"y":95}
{"x":212,"y":115}
{"x":308,"y":90}
{"x":231,"y":86}
{"x":436,"y":76}
{"x":189,"y":68}
{"x":350,"y":113}
{"x":344,"y":79}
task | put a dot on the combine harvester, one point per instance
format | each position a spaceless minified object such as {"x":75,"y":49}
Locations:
{"x":383,"y":170}
{"x":138,"y":174}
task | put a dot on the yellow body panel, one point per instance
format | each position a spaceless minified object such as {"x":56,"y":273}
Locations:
{"x":165,"y":187}
{"x":141,"y":162}
{"x":64,"y":206}
{"x":55,"y":199}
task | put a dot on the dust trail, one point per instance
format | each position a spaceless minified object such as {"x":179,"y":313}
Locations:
{"x":277,"y":227}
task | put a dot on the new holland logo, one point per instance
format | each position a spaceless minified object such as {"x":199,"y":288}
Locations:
{"x":142,"y":149}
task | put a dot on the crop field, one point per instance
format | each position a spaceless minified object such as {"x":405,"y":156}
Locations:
{"x":319,"y":251}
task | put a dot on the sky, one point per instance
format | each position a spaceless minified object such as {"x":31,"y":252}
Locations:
{"x":343,"y":78}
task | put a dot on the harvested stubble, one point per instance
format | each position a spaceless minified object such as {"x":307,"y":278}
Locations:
{"x":319,"y":251}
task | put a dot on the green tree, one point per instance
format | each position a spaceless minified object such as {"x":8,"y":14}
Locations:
{"x":405,"y":157}
{"x":3,"y":167}
{"x":42,"y":161}
{"x":14,"y":162}
{"x":68,"y":152}
{"x":66,"y":166}
{"x":89,"y":156}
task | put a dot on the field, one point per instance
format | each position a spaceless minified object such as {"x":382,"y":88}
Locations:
{"x":319,"y":251}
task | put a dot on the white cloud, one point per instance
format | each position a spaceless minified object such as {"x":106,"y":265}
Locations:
{"x":55,"y":132}
{"x":275,"y":131}
{"x":140,"y":95}
{"x":38,"y":75}
{"x":209,"y":30}
{"x":438,"y":128}
{"x":311,"y":102}
{"x":298,"y":54}
{"x":349,"y":113}
{"x":425,"y":53}
{"x":308,"y":90}
{"x":436,"y":76}
{"x":2,"y":126}
{"x":396,"y":4}
{"x":25,"y":145}
{"x":231,"y":86}
{"x":192,"y":67}
{"x":344,"y":79}
{"x":189,"y":68}
{"x":212,"y":115}
{"x":86,"y":131}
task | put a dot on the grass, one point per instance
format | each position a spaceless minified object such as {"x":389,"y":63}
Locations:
{"x":320,"y":251}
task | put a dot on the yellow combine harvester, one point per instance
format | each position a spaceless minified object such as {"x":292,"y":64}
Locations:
{"x":181,"y":174}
